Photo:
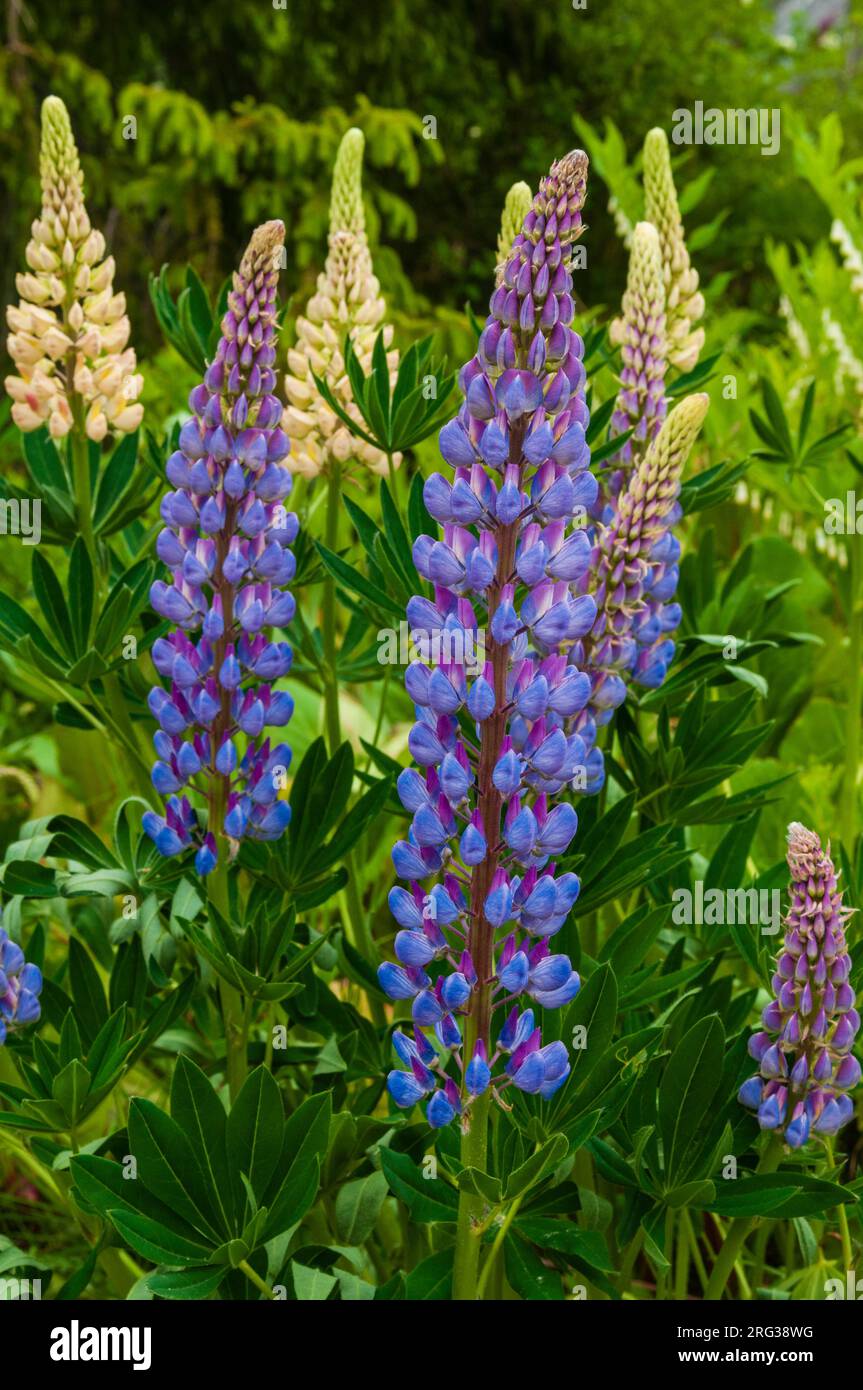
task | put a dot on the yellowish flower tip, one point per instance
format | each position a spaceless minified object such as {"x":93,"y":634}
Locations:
{"x":264,"y":249}
{"x":515,"y":209}
{"x":683,"y":301}
{"x":645,"y":287}
{"x":346,"y":199}
{"x":680,"y":430}
{"x":347,"y":301}
{"x":69,"y":330}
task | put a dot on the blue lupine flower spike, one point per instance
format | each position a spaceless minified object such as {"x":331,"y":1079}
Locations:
{"x":806,"y":1068}
{"x":482,"y":898}
{"x":225,"y":541}
{"x":20,"y":987}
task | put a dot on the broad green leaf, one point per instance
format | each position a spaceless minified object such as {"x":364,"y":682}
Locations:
{"x":358,"y":1206}
{"x":688,"y":1086}
{"x":255,"y":1129}
{"x":527,"y":1274}
{"x":429,"y":1199}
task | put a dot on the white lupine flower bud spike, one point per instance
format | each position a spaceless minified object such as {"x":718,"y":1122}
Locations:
{"x":69,"y":327}
{"x":684,"y":304}
{"x":347,"y":301}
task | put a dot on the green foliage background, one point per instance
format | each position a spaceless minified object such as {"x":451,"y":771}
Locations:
{"x":239,"y":109}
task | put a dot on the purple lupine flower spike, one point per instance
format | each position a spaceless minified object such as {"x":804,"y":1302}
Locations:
{"x":225,"y":543}
{"x":639,"y":332}
{"x":805,"y":1064}
{"x":632,"y":570}
{"x":20,"y":987}
{"x":482,"y":896}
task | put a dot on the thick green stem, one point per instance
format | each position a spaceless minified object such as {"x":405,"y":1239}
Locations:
{"x":852,"y":712}
{"x":740,"y":1229}
{"x":233,"y":1011}
{"x":481,"y":932}
{"x":474,"y":1147}
{"x":83,"y":493}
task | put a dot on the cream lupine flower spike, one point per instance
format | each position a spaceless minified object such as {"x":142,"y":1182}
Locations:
{"x":347,"y":301}
{"x":684,"y":304}
{"x":69,"y":330}
{"x":515,"y":209}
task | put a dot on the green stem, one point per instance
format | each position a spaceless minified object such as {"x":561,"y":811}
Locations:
{"x":474,"y":1146}
{"x":681,"y":1270}
{"x":255,"y":1279}
{"x":495,"y":1252}
{"x":662,"y":1276}
{"x":694,"y":1249}
{"x":233,"y":1012}
{"x":852,"y":711}
{"x":84,"y":500}
{"x":845,"y":1235}
{"x":740,"y":1228}
{"x":842,"y":1217}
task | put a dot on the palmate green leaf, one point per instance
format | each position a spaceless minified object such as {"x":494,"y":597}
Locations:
{"x":627,"y":946}
{"x":538,"y":1166}
{"x":115,"y":480}
{"x":294,"y":1183}
{"x":429,"y":1199}
{"x":431,"y":1279}
{"x":87,"y":992}
{"x":358,"y":1207}
{"x":567,"y":1239}
{"x":193,"y":1283}
{"x":49,"y":596}
{"x":201,"y":1116}
{"x":481,"y":1185}
{"x":99,"y":1185}
{"x":420,"y":521}
{"x":28,"y":880}
{"x":169,"y":1168}
{"x":294,"y":1198}
{"x":346,"y":419}
{"x":355,"y":823}
{"x":357,"y":582}
{"x":728,"y":863}
{"x":254,"y":1130}
{"x":778,"y":1195}
{"x":156,"y":1242}
{"x":71,"y":1089}
{"x":312,"y":1285}
{"x":526,"y":1273}
{"x":81,"y":595}
{"x":688,"y":1086}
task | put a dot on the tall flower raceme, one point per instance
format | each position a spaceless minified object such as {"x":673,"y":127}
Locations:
{"x":805,"y":1064}
{"x":634,"y":573}
{"x":639,"y":332}
{"x":515,"y":209}
{"x":684,"y":303}
{"x":485,"y":824}
{"x":69,"y":331}
{"x":20,"y":987}
{"x":225,"y":541}
{"x":346,"y":303}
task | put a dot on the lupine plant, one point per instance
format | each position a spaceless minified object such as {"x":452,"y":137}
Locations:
{"x":466,"y":992}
